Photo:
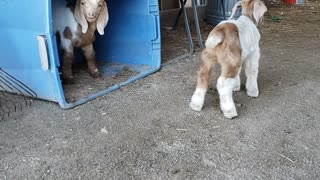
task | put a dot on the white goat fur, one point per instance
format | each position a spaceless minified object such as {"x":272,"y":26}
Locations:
{"x":249,"y":38}
{"x":63,"y":17}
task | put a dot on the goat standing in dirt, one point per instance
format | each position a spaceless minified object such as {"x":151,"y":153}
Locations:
{"x":76,"y":27}
{"x":230,"y":44}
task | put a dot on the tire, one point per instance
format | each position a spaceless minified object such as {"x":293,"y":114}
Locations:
{"x":11,"y":105}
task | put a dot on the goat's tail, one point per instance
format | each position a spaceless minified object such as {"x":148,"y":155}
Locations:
{"x":215,"y":37}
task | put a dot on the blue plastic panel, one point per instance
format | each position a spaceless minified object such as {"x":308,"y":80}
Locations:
{"x":132,"y":39}
{"x":20,"y":62}
{"x":134,"y":28}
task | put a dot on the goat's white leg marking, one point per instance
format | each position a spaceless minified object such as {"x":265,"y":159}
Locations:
{"x":237,"y":81}
{"x":225,"y":88}
{"x":197,"y":99}
{"x":252,"y":69}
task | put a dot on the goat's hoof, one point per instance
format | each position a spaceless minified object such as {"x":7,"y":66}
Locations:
{"x":197,"y":101}
{"x":253,"y":93}
{"x":230,"y":114}
{"x":195,"y":107}
{"x":68,"y":80}
{"x":95,"y":73}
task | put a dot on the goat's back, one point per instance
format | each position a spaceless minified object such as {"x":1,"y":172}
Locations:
{"x":249,"y":35}
{"x":63,"y":17}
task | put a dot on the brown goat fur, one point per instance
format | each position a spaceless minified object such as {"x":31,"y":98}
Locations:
{"x":227,"y":54}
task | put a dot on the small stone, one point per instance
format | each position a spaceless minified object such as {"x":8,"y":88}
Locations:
{"x":104,"y":131}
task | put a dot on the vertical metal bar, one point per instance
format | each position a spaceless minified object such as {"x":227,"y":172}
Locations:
{"x":223,"y":10}
{"x":189,"y":37}
{"x":178,"y":17}
{"x":196,"y":21}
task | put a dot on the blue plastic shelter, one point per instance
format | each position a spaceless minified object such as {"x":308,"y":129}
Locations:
{"x":29,"y":61}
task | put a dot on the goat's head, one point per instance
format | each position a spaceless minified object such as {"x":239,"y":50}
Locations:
{"x":90,"y":11}
{"x":254,"y":9}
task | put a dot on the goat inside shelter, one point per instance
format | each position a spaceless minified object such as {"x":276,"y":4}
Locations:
{"x":76,"y":26}
{"x":230,"y":44}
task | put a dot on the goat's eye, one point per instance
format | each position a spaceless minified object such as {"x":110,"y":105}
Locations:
{"x":100,"y":5}
{"x":82,"y":3}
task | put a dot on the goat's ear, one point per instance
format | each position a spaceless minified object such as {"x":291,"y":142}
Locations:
{"x":80,"y":18}
{"x":258,"y":10}
{"x":103,"y":19}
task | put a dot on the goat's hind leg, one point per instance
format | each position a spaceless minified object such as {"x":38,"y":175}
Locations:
{"x":206,"y":65}
{"x":90,"y":57}
{"x":225,"y":85}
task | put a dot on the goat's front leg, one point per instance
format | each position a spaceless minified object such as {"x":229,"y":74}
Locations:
{"x":252,"y":65}
{"x":67,"y":76}
{"x":90,"y":57}
{"x":206,"y":66}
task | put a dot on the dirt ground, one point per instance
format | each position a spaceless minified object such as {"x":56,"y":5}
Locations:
{"x":84,"y":85}
{"x":147,"y":131}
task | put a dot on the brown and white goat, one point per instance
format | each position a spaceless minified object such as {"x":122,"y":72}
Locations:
{"x":76,"y":27}
{"x":230,"y":44}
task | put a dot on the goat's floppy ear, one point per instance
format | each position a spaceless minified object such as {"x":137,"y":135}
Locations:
{"x":234,"y":9}
{"x":258,"y":10}
{"x":103,"y":19}
{"x":80,"y":18}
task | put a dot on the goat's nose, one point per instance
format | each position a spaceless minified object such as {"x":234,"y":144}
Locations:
{"x":92,"y":14}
